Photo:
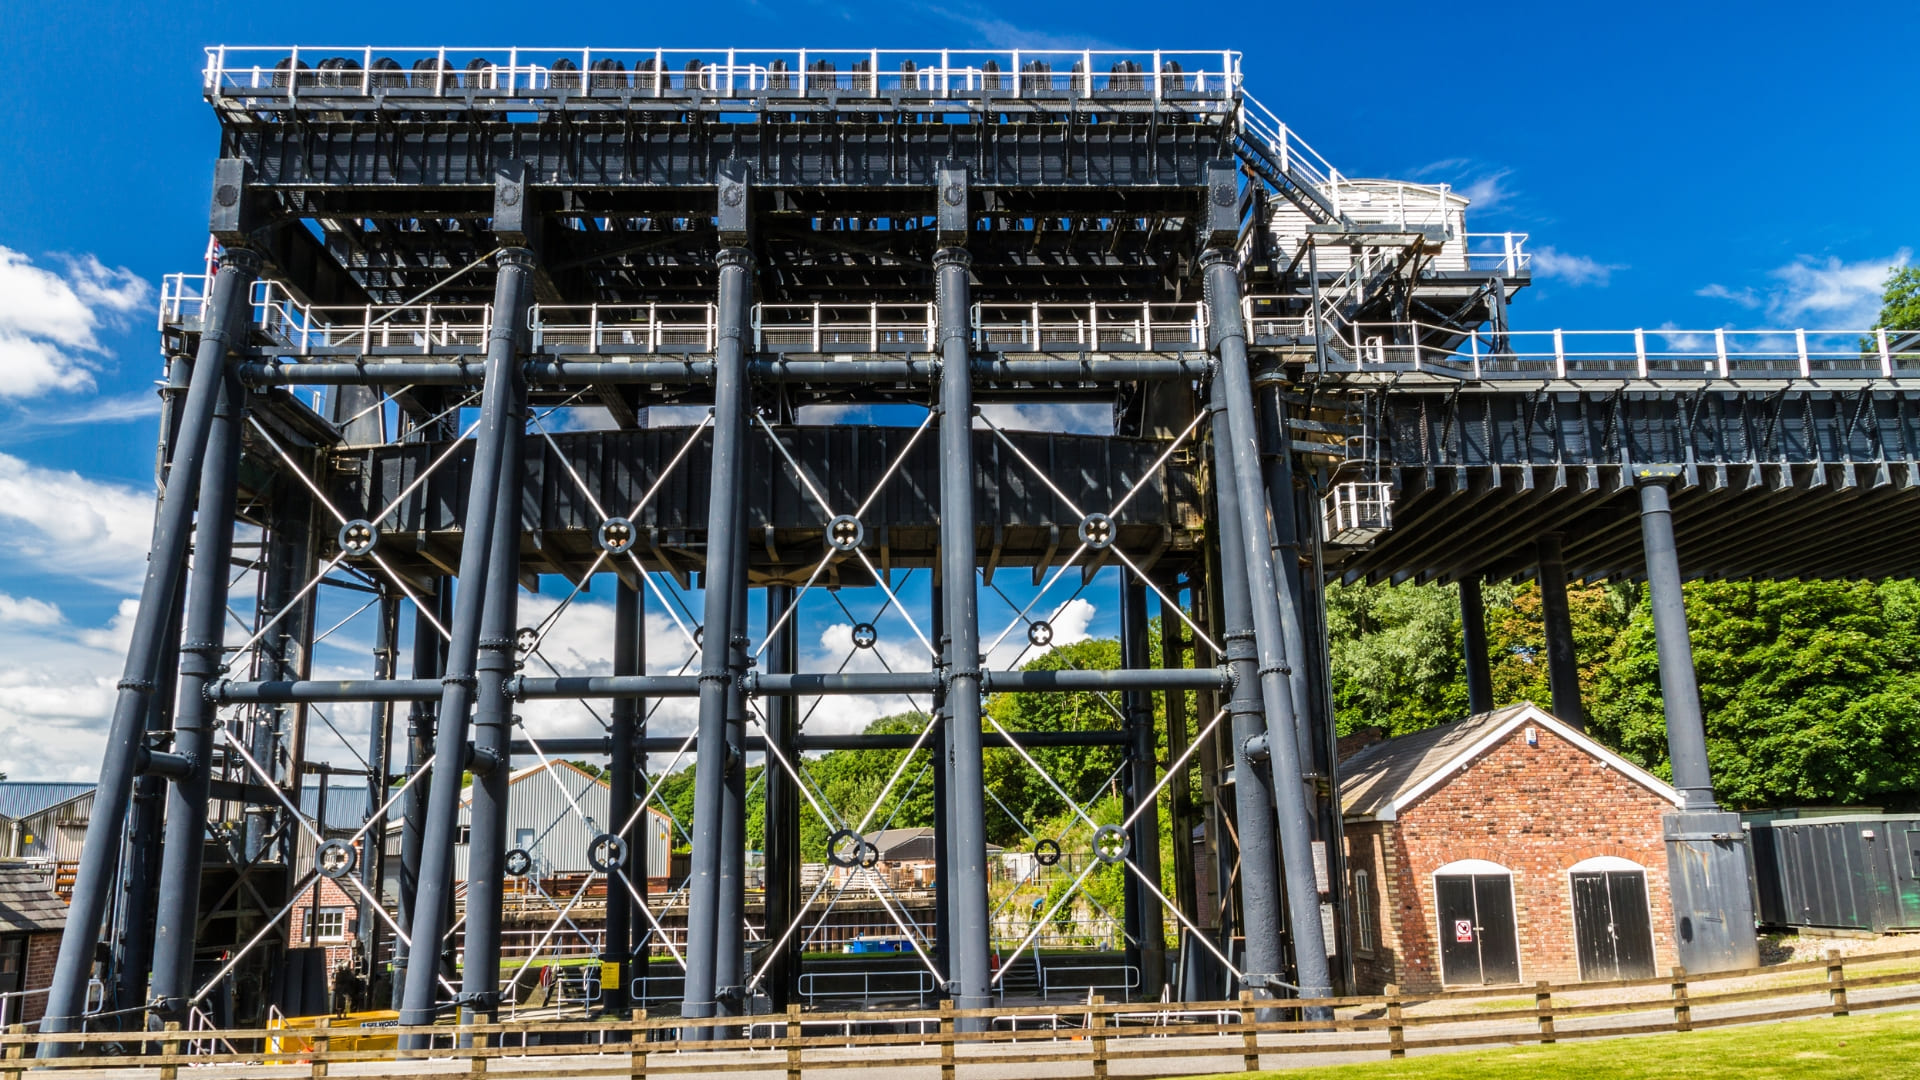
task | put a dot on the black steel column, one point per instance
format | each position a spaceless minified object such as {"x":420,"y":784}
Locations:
{"x":729,"y":948}
{"x":710,"y":762}
{"x":493,"y":716}
{"x":783,"y":810}
{"x":140,"y":860}
{"x":427,"y":659}
{"x":1277,"y":459}
{"x":1707,"y":866}
{"x":226,"y":320}
{"x":1276,"y":691}
{"x":499,"y":418}
{"x":616,"y":949}
{"x":1146,"y":920}
{"x":1473,"y":646}
{"x":941,"y":742}
{"x":969,"y":970}
{"x":202,"y":659}
{"x":1260,"y":882}
{"x":373,"y":847}
{"x":1563,"y":666}
{"x":1179,"y":788}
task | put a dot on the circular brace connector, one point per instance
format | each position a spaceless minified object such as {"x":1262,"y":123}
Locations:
{"x":616,"y":536}
{"x":607,"y":853}
{"x":1046,"y":852}
{"x":844,"y":848}
{"x":1110,"y":844}
{"x":1098,"y":531}
{"x":518,"y":863}
{"x":524,"y":639}
{"x":865,"y":636}
{"x":357,"y":537}
{"x":1039,"y":633}
{"x":845,"y":533}
{"x":867,"y":855}
{"x":335,"y":860}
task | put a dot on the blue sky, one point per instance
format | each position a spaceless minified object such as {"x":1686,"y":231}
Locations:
{"x":1697,"y":165}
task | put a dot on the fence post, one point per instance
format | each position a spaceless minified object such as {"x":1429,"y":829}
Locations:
{"x":637,"y":1066}
{"x":1543,"y":1005}
{"x":792,"y":1042}
{"x":477,"y":1063}
{"x":1396,"y":1031}
{"x":1097,"y":1020}
{"x":1682,"y":1012}
{"x":15,"y":1051}
{"x":1249,"y":1038}
{"x":317,"y":1062}
{"x":1837,"y":982}
{"x":946,"y":1039}
{"x":168,"y":1048}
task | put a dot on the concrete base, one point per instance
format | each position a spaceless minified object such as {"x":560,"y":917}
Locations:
{"x":1712,"y":891}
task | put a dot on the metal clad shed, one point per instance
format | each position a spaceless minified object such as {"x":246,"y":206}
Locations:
{"x":542,"y":820}
{"x":1853,"y":872}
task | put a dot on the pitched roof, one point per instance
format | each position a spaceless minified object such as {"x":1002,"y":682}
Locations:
{"x":27,"y":901}
{"x":1382,"y":779}
{"x":25,"y":798}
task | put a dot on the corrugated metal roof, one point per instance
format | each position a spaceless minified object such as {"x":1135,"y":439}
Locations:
{"x":24,"y":798}
{"x":27,"y":901}
{"x":346,"y":800}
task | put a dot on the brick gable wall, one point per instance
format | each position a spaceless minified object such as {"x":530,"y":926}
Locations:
{"x":1536,"y":810}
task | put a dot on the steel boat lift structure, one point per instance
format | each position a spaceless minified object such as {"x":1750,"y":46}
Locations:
{"x":430,"y":263}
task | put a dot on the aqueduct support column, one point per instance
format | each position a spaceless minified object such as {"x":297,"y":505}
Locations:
{"x":617,"y":948}
{"x":1563,"y":663}
{"x":1473,"y":645}
{"x":1706,"y":857}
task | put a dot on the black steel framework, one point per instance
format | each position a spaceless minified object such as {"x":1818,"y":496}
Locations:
{"x":431,"y":265}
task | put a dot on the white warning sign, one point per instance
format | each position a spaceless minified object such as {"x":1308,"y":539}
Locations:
{"x":1463,"y":929}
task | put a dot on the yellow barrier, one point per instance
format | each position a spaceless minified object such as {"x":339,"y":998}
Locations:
{"x":370,"y":1030}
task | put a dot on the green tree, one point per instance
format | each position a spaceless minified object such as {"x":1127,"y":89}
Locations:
{"x":1395,"y":654}
{"x":1900,"y":303}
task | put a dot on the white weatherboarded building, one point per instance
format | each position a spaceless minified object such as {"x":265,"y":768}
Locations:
{"x":553,"y":814}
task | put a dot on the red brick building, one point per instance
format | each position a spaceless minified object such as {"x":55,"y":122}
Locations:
{"x":31,"y":919}
{"x":1505,"y":848}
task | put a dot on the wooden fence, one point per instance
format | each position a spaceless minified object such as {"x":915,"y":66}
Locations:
{"x":1198,"y":1036}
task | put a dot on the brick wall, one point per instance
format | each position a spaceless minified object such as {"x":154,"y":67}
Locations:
{"x":42,"y":951}
{"x":1536,"y":810}
{"x":332,"y":894}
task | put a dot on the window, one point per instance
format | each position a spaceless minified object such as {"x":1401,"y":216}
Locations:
{"x":1363,"y":910}
{"x":330,"y":924}
{"x":465,"y":836}
{"x":523,"y":839}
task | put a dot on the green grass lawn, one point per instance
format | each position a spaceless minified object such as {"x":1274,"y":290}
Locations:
{"x":1884,"y":1046}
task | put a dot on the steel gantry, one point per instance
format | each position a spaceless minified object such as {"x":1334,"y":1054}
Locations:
{"x":483,"y":330}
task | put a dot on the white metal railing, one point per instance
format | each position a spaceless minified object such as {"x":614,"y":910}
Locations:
{"x":306,"y":330}
{"x":1640,"y":353}
{"x":1079,"y":977}
{"x":1040,"y":327}
{"x":261,"y":74}
{"x":1291,"y":152}
{"x":642,"y":988}
{"x":13,"y":1005}
{"x":882,"y":983}
{"x":1505,"y":252}
{"x":823,"y":327}
{"x":1263,"y":324}
{"x":626,"y":327}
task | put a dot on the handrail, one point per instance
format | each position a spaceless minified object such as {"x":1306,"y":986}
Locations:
{"x":281,"y":76}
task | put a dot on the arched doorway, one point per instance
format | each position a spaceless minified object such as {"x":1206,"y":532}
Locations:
{"x":1612,"y":924}
{"x":1479,"y":940}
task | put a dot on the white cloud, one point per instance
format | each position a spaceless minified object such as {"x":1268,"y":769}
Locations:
{"x":999,"y":33}
{"x":1483,"y":186}
{"x":1095,"y":418}
{"x":26,"y":611}
{"x":48,"y":321}
{"x":1488,"y":191}
{"x":1828,"y":292}
{"x":1573,"y":269}
{"x":56,"y":689}
{"x":26,"y":424}
{"x":66,"y":524}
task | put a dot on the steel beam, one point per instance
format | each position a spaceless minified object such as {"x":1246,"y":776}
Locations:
{"x":512,"y":297}
{"x":227,"y":312}
{"x":1148,"y":923}
{"x":623,"y":724}
{"x":202,"y":655}
{"x":426,"y":661}
{"x":1289,"y":789}
{"x":463,"y":370}
{"x":710,"y":764}
{"x":783,"y":806}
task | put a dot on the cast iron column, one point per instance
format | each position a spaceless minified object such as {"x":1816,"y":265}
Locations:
{"x":710,"y":762}
{"x":1563,"y":667}
{"x":783,"y":808}
{"x":493,"y":716}
{"x":617,"y":948}
{"x":373,"y":847}
{"x":1149,"y":922}
{"x":729,"y":947}
{"x":499,"y":420}
{"x":1276,"y":691}
{"x":1252,"y":789}
{"x":426,"y":664}
{"x":1707,"y":866}
{"x":1473,"y":646}
{"x":227,"y":315}
{"x":969,"y":973}
{"x":202,"y":658}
